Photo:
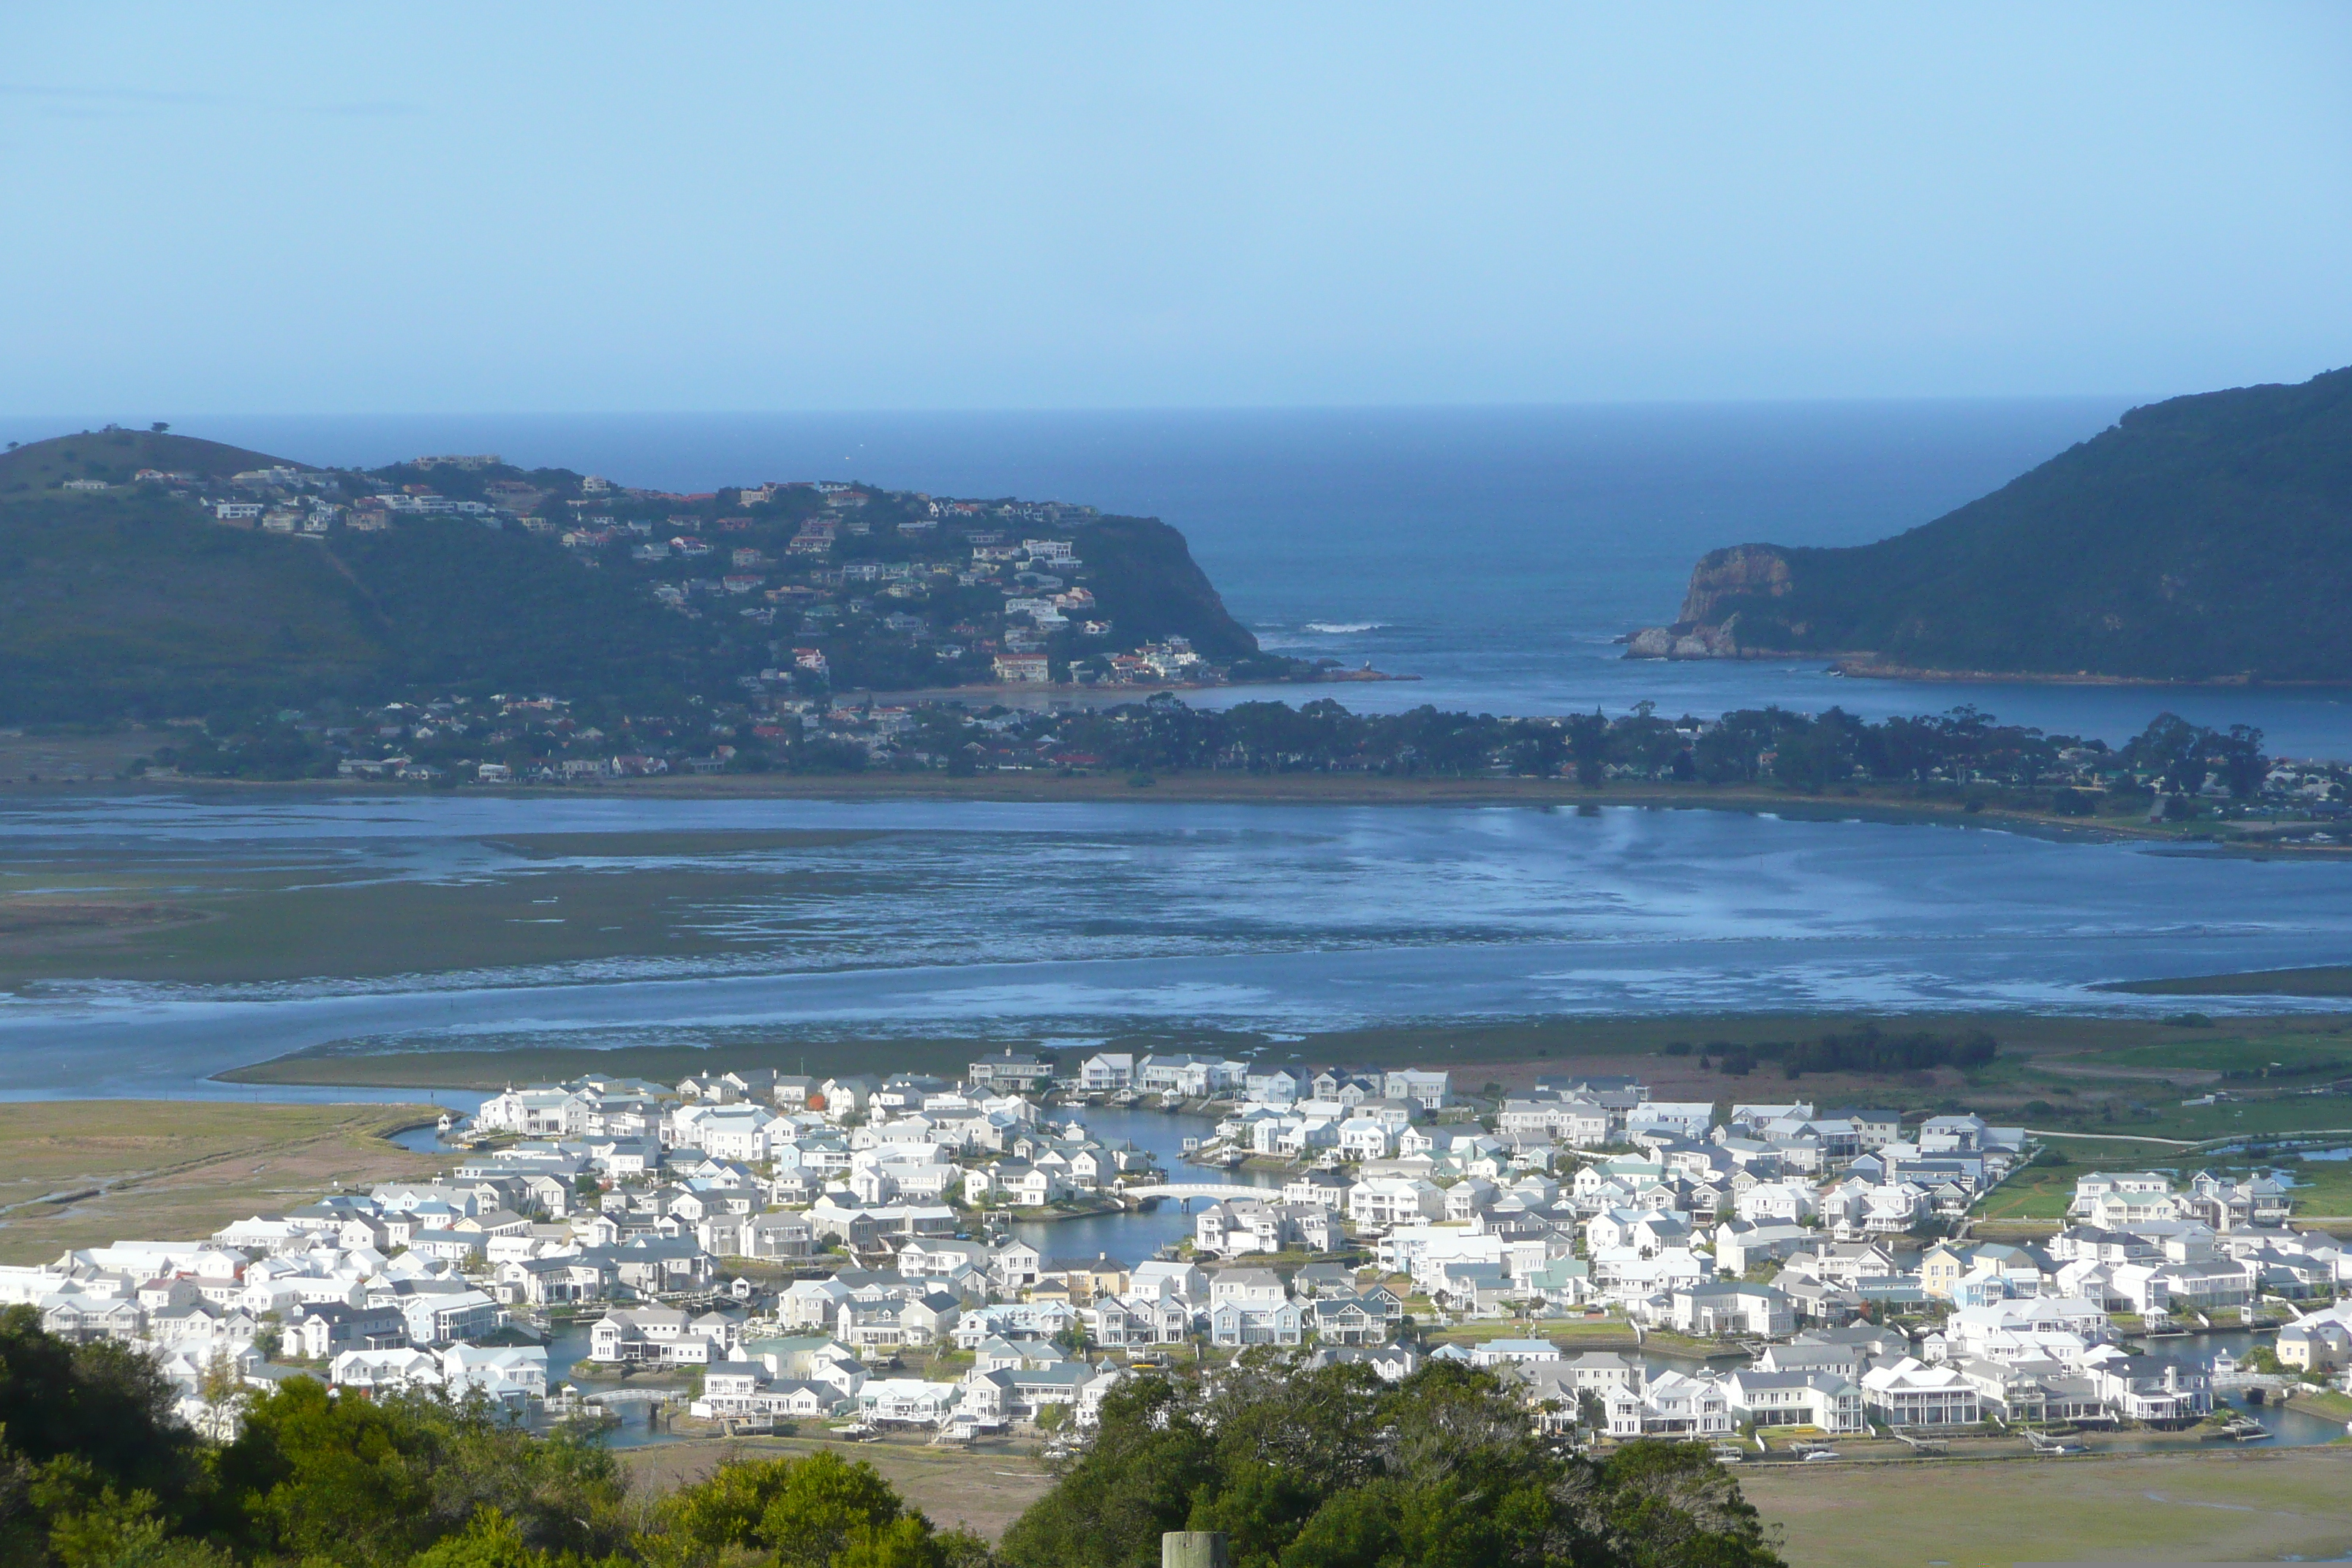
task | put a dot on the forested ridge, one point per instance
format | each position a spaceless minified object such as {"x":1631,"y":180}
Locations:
{"x":2201,"y":538}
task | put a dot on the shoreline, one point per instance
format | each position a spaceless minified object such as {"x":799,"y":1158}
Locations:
{"x":1862,"y":665}
{"x":1225,"y":788}
{"x":1009,"y":693}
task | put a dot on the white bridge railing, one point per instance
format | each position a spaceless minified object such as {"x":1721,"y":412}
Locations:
{"x":1199,"y":1190}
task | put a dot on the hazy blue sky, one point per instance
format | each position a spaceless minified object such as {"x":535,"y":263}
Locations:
{"x":492,"y":207}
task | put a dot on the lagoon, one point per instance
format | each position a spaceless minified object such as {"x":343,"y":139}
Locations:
{"x":1071,"y":921}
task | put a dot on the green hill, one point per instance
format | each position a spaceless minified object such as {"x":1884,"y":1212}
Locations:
{"x":133,"y":599}
{"x":115,"y":455}
{"x":2203,"y":539}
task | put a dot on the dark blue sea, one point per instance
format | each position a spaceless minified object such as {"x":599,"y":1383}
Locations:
{"x":1495,"y":553}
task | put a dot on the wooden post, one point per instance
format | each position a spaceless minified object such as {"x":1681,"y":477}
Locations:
{"x":1194,"y":1549}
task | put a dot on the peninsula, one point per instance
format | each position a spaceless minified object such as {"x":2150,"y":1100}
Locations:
{"x":145,"y":574}
{"x":2201,"y":540}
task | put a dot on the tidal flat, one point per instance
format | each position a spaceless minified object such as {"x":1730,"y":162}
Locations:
{"x":169,"y":937}
{"x":201,"y":925}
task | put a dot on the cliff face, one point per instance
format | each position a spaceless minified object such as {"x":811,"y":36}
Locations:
{"x":1743,"y":571}
{"x":1716,"y":620}
{"x":2204,"y":539}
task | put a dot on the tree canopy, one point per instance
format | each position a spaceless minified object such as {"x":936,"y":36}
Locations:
{"x":1331,"y":1469}
{"x":1300,"y":1468}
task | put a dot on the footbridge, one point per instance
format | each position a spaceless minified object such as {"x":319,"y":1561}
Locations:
{"x":1199,"y":1190}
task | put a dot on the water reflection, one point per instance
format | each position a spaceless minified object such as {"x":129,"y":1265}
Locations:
{"x":1134,"y":1237}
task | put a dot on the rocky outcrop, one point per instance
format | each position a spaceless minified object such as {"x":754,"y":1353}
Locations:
{"x":1743,"y":570}
{"x":1684,"y":642}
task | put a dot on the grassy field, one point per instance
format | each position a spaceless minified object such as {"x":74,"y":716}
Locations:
{"x":2036,"y":1193}
{"x":54,"y":759}
{"x":2323,"y":1188}
{"x":84,"y":1173}
{"x":985,"y":1489}
{"x":2203,"y":1508}
{"x":2333,"y":980}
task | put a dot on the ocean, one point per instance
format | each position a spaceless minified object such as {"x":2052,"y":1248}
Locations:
{"x":1492,"y":552}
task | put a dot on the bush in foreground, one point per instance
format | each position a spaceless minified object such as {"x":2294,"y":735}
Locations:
{"x":1331,"y":1468}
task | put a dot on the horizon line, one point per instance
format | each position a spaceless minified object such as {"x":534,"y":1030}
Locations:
{"x":1066,"y":411}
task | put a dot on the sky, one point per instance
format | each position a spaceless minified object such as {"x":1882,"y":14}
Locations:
{"x":377,"y":208}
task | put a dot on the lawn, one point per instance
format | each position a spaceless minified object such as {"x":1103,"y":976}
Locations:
{"x":85,"y":1172}
{"x":2201,"y":1508}
{"x":2323,"y":1188}
{"x":2036,"y":1193}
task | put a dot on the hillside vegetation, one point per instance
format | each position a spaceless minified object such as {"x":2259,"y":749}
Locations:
{"x":135,"y":600}
{"x":2203,"y":539}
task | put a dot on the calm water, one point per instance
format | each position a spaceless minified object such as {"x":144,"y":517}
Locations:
{"x":1495,"y":553}
{"x":1072,"y":921}
{"x":1133,"y":1237}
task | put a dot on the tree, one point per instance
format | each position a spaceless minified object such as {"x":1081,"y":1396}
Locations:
{"x":490,"y":1540}
{"x":1808,"y":760}
{"x":1587,"y":742}
{"x":819,"y":1511}
{"x":367,"y":1482}
{"x":1329,"y":1468}
{"x":159,"y":427}
{"x":220,"y":1388}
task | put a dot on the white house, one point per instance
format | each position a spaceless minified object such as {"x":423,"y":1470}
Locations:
{"x":386,"y":1370}
{"x":1823,"y":1400}
{"x":511,"y":1375}
{"x":1384,"y":1201}
{"x":1909,"y":1393}
{"x":1426,"y":1089}
{"x":1107,"y":1070}
{"x":1669,"y":1404}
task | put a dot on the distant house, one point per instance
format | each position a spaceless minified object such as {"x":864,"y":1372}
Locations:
{"x":1011,"y":1073}
{"x":1427,"y":1090}
{"x":1023,"y":669}
{"x":1107,"y":1070}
